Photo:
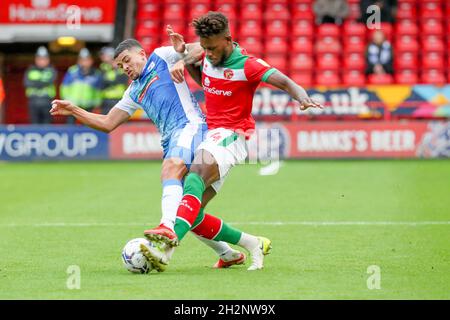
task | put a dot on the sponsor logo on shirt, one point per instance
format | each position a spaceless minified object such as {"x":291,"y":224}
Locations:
{"x":218,"y":92}
{"x":215,"y":91}
{"x":153,"y":77}
{"x":228,"y":73}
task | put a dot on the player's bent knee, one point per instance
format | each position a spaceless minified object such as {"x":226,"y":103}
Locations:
{"x":173,"y":168}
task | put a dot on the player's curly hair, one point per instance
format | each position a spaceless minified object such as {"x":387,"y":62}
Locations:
{"x":211,"y":24}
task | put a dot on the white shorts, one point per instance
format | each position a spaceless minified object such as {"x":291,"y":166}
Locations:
{"x":228,"y":149}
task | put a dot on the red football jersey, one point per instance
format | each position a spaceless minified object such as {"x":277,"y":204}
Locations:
{"x":229,"y":90}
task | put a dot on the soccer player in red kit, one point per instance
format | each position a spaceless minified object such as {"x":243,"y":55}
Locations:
{"x":229,"y":78}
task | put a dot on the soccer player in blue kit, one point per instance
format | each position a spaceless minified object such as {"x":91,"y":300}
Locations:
{"x":176,"y":113}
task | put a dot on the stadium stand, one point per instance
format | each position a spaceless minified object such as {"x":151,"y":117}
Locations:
{"x":277,"y":28}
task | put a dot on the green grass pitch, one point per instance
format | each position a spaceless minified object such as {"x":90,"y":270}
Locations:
{"x":328,"y":220}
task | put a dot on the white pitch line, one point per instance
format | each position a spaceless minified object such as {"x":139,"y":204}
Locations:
{"x":262,"y":223}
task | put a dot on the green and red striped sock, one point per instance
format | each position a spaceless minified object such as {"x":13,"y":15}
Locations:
{"x":190,"y":204}
{"x":211,"y":227}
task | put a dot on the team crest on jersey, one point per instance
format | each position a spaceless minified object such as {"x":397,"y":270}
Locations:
{"x":228,"y":74}
{"x":207,"y":81}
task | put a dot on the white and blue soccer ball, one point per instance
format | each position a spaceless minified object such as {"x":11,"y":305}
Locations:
{"x":133,"y":258}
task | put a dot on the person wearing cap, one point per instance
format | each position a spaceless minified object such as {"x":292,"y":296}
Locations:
{"x":82,"y":84}
{"x":39,"y":83}
{"x":115,"y":81}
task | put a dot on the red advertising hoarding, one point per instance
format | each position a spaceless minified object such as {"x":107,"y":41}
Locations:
{"x":411,"y":139}
{"x":135,"y":141}
{"x":56,"y":11}
{"x":357,"y":139}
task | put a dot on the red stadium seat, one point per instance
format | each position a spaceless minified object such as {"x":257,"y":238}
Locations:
{"x":407,"y":77}
{"x":431,"y":10}
{"x":406,"y":43}
{"x":250,"y":28}
{"x":328,"y":45}
{"x":407,"y":27}
{"x":354,"y":44}
{"x":328,"y":61}
{"x":229,"y":10}
{"x":277,"y":11}
{"x":302,"y":28}
{"x":433,"y":77}
{"x":258,"y":2}
{"x":302,"y":11}
{"x":432,"y":27}
{"x":276,"y":28}
{"x":380,"y":79}
{"x":327,"y":78}
{"x":277,"y":61}
{"x":302,"y":44}
{"x":354,"y":11}
{"x":198,"y":10}
{"x":354,"y":61}
{"x":354,"y":29}
{"x":207,"y":2}
{"x":179,"y":26}
{"x":276,"y":45}
{"x":173,"y":1}
{"x":354,"y":78}
{"x":254,"y":46}
{"x":251,"y":11}
{"x":433,"y":44}
{"x":433,"y":60}
{"x":328,"y":30}
{"x":148,"y":11}
{"x":149,"y":43}
{"x":406,"y":10}
{"x":148,"y":28}
{"x":405,"y":60}
{"x":301,"y":61}
{"x":283,"y":2}
{"x":174,"y":11}
{"x":302,"y":78}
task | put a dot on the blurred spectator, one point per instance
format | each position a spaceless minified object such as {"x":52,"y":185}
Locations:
{"x":39,"y":82}
{"x":115,"y":81}
{"x":330,"y":11}
{"x":387,"y":9}
{"x":82,"y":84}
{"x":379,"y":55}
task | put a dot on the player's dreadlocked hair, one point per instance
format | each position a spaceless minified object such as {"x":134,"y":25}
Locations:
{"x":126,"y":44}
{"x":211,"y":24}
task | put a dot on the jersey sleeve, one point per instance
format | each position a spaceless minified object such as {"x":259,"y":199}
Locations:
{"x":257,"y":70}
{"x":168,"y":54}
{"x":127,"y":104}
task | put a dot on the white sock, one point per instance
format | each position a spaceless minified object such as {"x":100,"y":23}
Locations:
{"x":248,"y":241}
{"x":171,"y":197}
{"x":222,"y":249}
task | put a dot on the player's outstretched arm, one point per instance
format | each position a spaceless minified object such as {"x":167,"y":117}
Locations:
{"x":283,"y":82}
{"x":105,"y":123}
{"x":192,"y":54}
{"x":189,"y":62}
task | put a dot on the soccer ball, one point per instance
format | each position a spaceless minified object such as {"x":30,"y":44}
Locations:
{"x":132,"y":257}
